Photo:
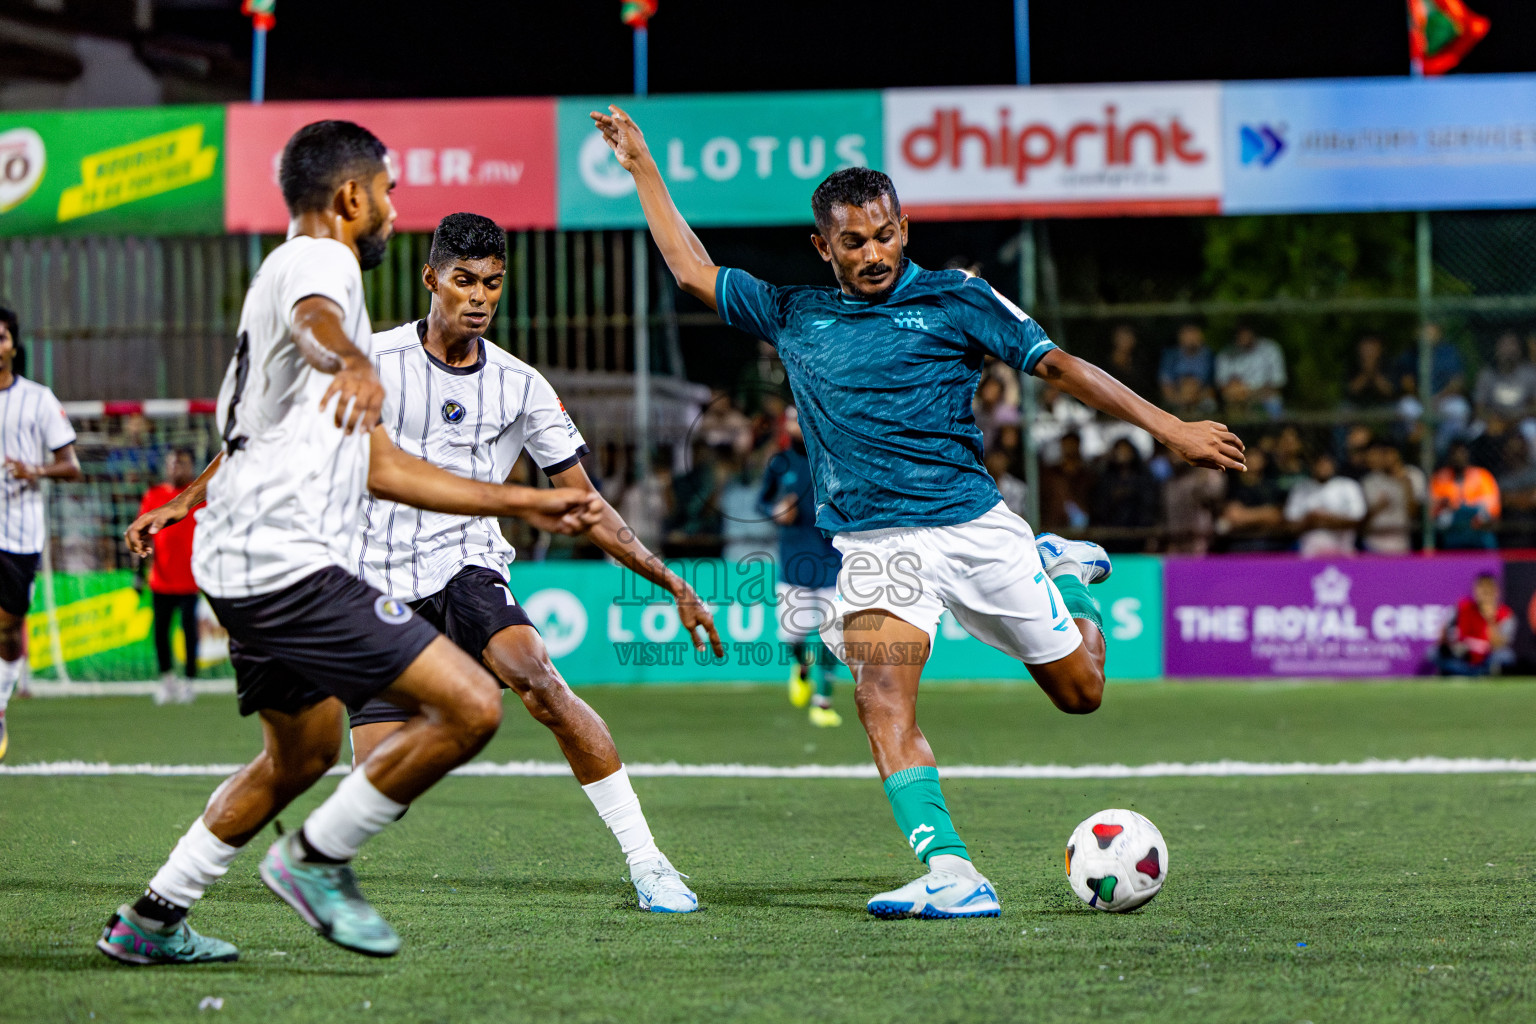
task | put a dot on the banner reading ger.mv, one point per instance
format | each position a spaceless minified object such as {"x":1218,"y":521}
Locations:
{"x":153,"y":171}
{"x":1236,"y":617}
{"x":494,"y":157}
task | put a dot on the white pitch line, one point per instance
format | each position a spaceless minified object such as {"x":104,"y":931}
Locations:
{"x":673,"y":770}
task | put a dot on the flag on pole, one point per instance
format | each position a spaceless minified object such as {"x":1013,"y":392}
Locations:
{"x":1440,"y":32}
{"x":261,"y":12}
{"x":636,"y":13}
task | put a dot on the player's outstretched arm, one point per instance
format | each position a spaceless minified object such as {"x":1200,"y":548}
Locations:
{"x":620,"y":543}
{"x":396,"y":476}
{"x":1207,"y":443}
{"x":141,"y":535}
{"x":321,"y":336}
{"x":65,"y":466}
{"x":680,"y":247}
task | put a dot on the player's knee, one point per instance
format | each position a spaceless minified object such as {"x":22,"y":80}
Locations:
{"x":1083,"y":696}
{"x":478,"y":714}
{"x":879,"y":692}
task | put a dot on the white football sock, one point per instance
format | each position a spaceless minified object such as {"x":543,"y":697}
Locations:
{"x":619,"y":807}
{"x":955,"y":864}
{"x":355,"y":813}
{"x":199,"y":860}
{"x":10,"y":675}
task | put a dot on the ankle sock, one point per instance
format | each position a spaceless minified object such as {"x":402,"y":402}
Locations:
{"x":1080,"y":604}
{"x":199,"y":859}
{"x":351,"y":816}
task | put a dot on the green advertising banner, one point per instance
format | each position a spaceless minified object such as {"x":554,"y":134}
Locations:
{"x":728,"y":159}
{"x":603,"y":624}
{"x":153,"y":171}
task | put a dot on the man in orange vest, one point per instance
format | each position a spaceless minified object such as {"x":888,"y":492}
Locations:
{"x":1465,"y":501}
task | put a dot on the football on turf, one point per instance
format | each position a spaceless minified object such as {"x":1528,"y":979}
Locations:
{"x":1116,"y":860}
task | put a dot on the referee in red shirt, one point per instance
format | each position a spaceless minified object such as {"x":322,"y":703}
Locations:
{"x":171,"y":585}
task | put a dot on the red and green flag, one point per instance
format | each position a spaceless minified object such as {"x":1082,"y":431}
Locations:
{"x":636,"y":13}
{"x":1441,"y":32}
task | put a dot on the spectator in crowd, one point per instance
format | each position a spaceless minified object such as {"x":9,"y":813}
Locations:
{"x":136,"y":455}
{"x":1190,"y":500}
{"x":1250,"y":373}
{"x":1010,"y":439}
{"x":1394,"y":493}
{"x":1187,"y":373}
{"x":1357,"y":448}
{"x":172,"y":589}
{"x":723,"y":425}
{"x":1447,"y":386}
{"x":1125,"y":497}
{"x":1014,"y":491}
{"x":1370,"y":386}
{"x":646,"y":505}
{"x":1479,"y":641}
{"x":1290,"y":464}
{"x":1253,"y":518}
{"x":1465,"y":501}
{"x":1506,"y":389}
{"x":1066,"y":487}
{"x":992,"y":409}
{"x":1327,"y":508}
{"x":1128,"y":364}
{"x":695,"y":525}
{"x":1517,"y":494}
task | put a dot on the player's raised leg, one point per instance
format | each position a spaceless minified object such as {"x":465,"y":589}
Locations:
{"x":456,"y":711}
{"x":886,"y":655}
{"x":298,"y":747}
{"x":1075,"y":683}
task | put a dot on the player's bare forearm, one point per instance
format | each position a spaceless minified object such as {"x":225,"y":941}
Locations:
{"x":141,"y":534}
{"x":685,"y":255}
{"x":619,"y":542}
{"x":65,"y":465}
{"x":321,"y":338}
{"x":1205,"y":443}
{"x":396,"y":476}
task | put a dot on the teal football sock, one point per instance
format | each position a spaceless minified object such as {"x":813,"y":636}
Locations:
{"x":1080,"y":604}
{"x":918,"y":804}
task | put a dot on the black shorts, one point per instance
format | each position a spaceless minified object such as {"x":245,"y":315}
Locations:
{"x":470,"y":609}
{"x":16,"y":575}
{"x":328,"y":635}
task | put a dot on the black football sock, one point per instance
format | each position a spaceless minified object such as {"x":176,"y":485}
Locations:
{"x":155,"y":907}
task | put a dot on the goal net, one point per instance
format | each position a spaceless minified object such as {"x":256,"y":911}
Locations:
{"x":91,"y":618}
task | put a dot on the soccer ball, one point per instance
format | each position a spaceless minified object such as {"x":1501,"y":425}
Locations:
{"x":1116,"y":860}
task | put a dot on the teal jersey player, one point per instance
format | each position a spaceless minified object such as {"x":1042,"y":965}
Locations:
{"x":883,"y":369}
{"x":884,"y":388}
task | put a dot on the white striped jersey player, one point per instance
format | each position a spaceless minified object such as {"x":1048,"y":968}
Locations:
{"x":471,"y":420}
{"x":284,"y":504}
{"x":33,"y":426}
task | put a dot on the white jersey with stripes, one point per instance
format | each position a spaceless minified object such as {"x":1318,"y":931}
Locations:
{"x":284,"y":504}
{"x":33,"y":426}
{"x":471,"y":420}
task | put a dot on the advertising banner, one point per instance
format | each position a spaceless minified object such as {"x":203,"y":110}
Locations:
{"x":1235,"y":617}
{"x":1520,"y":595}
{"x":494,"y":157}
{"x":1463,"y":142}
{"x":735,"y":159}
{"x":1055,"y":151}
{"x":603,"y":624}
{"x":151,"y":171}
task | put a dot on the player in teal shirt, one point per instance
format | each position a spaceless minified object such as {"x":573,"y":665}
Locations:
{"x":884,"y":368}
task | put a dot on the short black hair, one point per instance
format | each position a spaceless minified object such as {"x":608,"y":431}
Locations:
{"x":13,"y":324}
{"x":851,"y":186}
{"x":321,"y":156}
{"x":466,"y":236}
{"x":181,"y":450}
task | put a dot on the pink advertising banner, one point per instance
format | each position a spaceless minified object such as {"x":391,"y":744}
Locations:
{"x":1254,"y":617}
{"x":489,"y":156}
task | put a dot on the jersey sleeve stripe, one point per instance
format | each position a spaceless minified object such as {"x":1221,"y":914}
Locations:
{"x":723,"y":307}
{"x":565,"y":464}
{"x":1034,"y":355}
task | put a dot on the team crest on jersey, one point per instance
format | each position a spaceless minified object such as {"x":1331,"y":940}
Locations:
{"x":453,"y":412}
{"x":391,"y":611}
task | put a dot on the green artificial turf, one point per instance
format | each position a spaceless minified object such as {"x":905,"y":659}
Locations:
{"x":1358,"y":899}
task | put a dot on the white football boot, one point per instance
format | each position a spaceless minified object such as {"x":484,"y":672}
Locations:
{"x":938,"y":895}
{"x":660,"y":889}
{"x":1083,"y":558}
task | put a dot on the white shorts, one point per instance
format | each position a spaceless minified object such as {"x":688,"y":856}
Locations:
{"x":803,"y":611}
{"x":986,"y":572}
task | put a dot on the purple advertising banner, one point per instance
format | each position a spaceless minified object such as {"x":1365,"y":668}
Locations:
{"x":1236,"y":617}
